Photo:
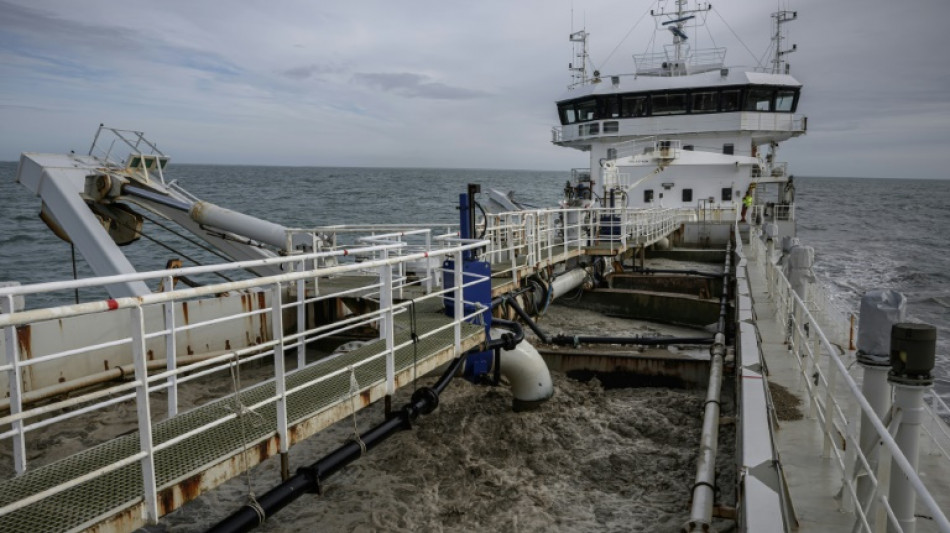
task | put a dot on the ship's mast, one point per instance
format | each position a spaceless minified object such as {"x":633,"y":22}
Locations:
{"x":676,"y":25}
{"x":578,"y":67}
{"x":779,"y":18}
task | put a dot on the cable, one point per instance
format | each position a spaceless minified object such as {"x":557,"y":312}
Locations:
{"x":186,"y":238}
{"x":737,"y":37}
{"x":163,"y":245}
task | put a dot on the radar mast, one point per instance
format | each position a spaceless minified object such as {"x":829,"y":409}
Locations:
{"x":779,"y":19}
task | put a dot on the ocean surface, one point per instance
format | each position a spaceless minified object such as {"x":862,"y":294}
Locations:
{"x":867,"y":233}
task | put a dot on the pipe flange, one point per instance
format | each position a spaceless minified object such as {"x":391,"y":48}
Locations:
{"x":923,"y":380}
{"x":426,"y":398}
{"x":867,"y":359}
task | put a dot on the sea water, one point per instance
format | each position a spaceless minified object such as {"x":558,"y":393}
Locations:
{"x":513,"y":472}
{"x":867,"y":233}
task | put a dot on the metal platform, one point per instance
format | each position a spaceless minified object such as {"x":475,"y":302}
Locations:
{"x":207,"y":459}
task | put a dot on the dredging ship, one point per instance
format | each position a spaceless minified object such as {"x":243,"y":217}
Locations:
{"x":683,"y":174}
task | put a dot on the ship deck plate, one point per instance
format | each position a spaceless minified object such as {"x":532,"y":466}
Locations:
{"x":117,"y":496}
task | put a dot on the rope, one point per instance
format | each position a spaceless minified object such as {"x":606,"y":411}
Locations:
{"x":415,"y":340}
{"x":354,"y":390}
{"x":240,"y":409}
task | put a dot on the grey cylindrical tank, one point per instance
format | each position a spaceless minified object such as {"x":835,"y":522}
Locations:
{"x":880,"y":310}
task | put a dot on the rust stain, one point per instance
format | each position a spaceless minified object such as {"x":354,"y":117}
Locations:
{"x":191,"y":488}
{"x":166,"y":501}
{"x":62,"y":379}
{"x":258,"y":340}
{"x":365,"y":398}
{"x":127,"y":520}
{"x":24,"y":335}
{"x":263,"y":450}
{"x":105,"y":364}
{"x":190,"y":351}
{"x":150,"y":355}
{"x":227,"y":344}
{"x":184,"y":311}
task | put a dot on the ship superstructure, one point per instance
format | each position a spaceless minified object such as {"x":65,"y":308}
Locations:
{"x":685,"y":129}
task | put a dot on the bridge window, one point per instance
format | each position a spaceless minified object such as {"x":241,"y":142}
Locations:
{"x":729,"y":149}
{"x":586,"y":110}
{"x":611,"y":126}
{"x":611,"y":107}
{"x":705,"y":102}
{"x":730,"y":100}
{"x":633,"y":106}
{"x":669,"y":104}
{"x":648,"y":195}
{"x":785,"y":101}
{"x":759,"y":100}
{"x":567,"y":114}
{"x":726,"y":194}
{"x":687,"y":195}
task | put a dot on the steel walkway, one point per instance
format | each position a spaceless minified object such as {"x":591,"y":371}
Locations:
{"x":197,"y":463}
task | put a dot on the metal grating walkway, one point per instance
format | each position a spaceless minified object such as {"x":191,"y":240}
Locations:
{"x":106,"y":496}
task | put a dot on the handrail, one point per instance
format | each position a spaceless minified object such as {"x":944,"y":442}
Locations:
{"x":799,"y":314}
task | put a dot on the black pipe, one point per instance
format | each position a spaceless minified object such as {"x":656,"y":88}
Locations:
{"x":308,"y":478}
{"x":723,"y":299}
{"x":668,"y":271}
{"x":567,"y":340}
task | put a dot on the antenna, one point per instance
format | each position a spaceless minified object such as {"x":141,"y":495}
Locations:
{"x":677,"y":24}
{"x":578,"y":68}
{"x":779,"y":18}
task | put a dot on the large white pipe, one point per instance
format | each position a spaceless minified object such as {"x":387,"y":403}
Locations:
{"x":703,"y":490}
{"x":209,"y":214}
{"x":909,"y":400}
{"x":525,"y":370}
{"x":567,"y":282}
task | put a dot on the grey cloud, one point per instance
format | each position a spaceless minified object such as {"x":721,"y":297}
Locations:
{"x":413,"y":85}
{"x":309,"y":71}
{"x":71,"y":39}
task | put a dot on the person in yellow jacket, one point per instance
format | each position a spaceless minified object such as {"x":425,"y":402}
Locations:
{"x":746,"y":202}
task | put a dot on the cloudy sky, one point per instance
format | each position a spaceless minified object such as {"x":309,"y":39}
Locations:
{"x":441,"y":84}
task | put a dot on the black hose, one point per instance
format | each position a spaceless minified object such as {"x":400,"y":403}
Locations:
{"x":527,"y":320}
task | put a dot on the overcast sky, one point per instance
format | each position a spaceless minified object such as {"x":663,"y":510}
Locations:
{"x":441,"y":84}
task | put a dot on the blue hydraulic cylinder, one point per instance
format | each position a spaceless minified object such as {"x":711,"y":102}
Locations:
{"x":476,"y":281}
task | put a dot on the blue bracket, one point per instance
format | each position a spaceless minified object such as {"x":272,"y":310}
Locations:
{"x":478,"y":273}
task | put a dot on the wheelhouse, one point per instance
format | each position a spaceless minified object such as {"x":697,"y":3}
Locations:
{"x":697,"y":100}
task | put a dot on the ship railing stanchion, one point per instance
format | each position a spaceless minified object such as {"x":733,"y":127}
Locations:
{"x":457,"y":294}
{"x":388,"y":327}
{"x":301,"y":317}
{"x":428,"y":235}
{"x":280,"y":378}
{"x":829,"y":406}
{"x":144,"y":415}
{"x":14,"y":383}
{"x":171,"y":355}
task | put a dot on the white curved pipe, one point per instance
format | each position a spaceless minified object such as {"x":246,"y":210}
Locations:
{"x":526,"y":371}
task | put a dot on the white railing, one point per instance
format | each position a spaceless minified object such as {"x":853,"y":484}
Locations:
{"x":148,"y":376}
{"x":823,"y":372}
